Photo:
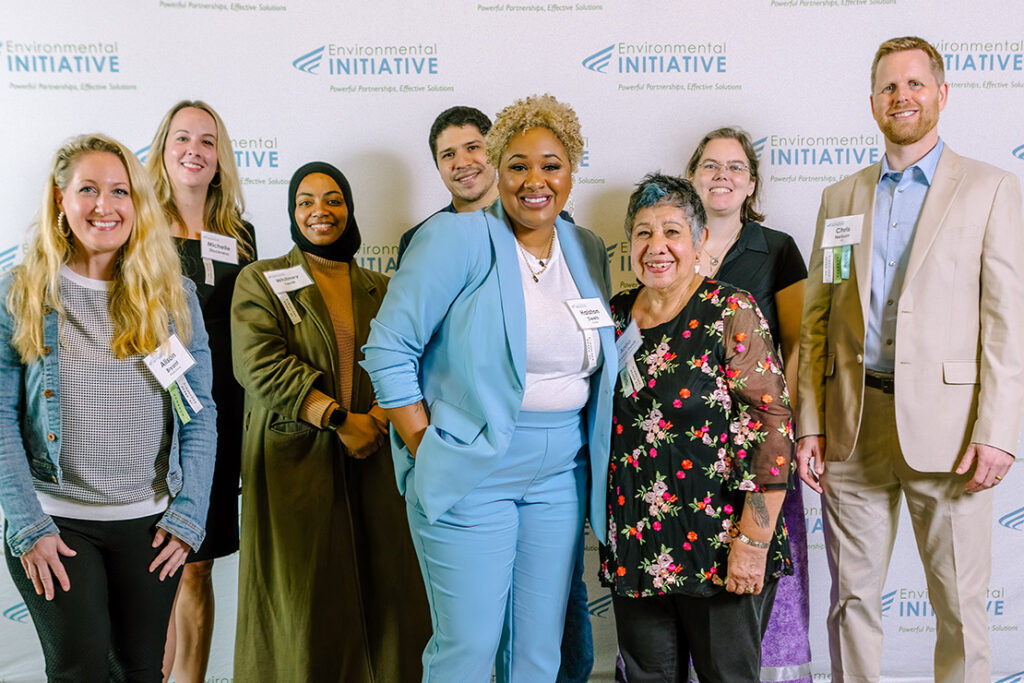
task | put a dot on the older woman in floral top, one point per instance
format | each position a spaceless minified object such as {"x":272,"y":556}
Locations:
{"x":701,"y":455}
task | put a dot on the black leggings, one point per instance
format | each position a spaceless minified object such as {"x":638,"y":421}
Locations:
{"x":112,"y":624}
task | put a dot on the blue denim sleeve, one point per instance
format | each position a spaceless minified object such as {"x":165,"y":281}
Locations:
{"x":26,"y":521}
{"x":196,"y":444}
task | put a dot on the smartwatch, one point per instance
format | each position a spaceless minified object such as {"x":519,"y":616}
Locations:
{"x":337,"y":417}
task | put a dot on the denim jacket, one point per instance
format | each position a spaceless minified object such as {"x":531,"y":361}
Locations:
{"x":30,"y":433}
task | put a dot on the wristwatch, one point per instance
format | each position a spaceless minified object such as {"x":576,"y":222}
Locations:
{"x":337,"y":417}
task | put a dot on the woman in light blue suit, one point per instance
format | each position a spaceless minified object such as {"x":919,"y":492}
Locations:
{"x":500,"y":400}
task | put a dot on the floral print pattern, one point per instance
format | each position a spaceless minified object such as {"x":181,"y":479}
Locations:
{"x":711,"y":424}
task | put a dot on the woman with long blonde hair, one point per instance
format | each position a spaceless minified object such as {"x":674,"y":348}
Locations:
{"x":193,"y":170}
{"x":106,"y":419}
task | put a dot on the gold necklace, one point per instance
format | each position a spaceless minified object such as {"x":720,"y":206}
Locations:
{"x":544,"y":262}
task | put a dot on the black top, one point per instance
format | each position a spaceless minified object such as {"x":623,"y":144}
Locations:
{"x":215,"y":302}
{"x":711,"y":423}
{"x":763,"y":261}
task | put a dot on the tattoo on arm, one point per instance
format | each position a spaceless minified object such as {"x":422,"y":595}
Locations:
{"x":760,"y":510}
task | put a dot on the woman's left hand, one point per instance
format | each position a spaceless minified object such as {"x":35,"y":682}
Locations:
{"x":172,"y":555}
{"x":746,"y":568}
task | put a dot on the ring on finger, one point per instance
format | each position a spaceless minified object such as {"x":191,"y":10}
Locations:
{"x":750,"y":589}
{"x":998,"y":478}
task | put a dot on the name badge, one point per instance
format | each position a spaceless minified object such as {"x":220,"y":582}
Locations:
{"x":217,"y":247}
{"x":288,"y":280}
{"x":842,"y":231}
{"x":590,"y":314}
{"x":169,"y":364}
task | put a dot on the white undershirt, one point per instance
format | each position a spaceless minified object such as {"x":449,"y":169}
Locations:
{"x":557,"y":366}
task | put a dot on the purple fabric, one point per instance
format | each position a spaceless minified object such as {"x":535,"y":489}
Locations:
{"x":785,"y":642}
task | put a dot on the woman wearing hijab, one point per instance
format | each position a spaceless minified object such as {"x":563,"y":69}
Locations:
{"x":329,"y":586}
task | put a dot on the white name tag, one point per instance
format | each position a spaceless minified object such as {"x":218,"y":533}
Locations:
{"x":169,"y":362}
{"x":288,"y":279}
{"x":217,"y":247}
{"x":590,"y":314}
{"x":627,"y":344}
{"x":842,"y":231}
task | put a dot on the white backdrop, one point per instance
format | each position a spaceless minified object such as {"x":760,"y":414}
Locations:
{"x":358,"y":84}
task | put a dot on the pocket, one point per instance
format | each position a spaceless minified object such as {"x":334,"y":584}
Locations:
{"x":960,"y":371}
{"x":455,"y":422}
{"x":291,"y":427}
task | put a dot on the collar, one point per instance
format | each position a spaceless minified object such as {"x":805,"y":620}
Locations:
{"x":925,"y":165}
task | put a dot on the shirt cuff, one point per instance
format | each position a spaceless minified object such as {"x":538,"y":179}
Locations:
{"x":316,"y":407}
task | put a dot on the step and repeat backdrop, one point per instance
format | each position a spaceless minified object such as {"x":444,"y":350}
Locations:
{"x":358,"y":85}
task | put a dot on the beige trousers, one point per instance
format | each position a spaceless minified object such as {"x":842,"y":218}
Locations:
{"x":953,"y":530}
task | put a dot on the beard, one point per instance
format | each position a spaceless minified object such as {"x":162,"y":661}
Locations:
{"x":907,"y":133}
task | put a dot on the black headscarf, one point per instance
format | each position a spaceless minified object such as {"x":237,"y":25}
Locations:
{"x":347,"y":244}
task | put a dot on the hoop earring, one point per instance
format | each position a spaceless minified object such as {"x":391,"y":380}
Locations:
{"x":60,"y":225}
{"x":216,"y":180}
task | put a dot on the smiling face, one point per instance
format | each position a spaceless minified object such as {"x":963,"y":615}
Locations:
{"x":97,"y":204}
{"x":190,"y":151}
{"x":723,"y":191}
{"x":661,"y":248}
{"x":462,"y":162}
{"x":320,"y":209}
{"x":907,"y":98}
{"x":534,"y":180}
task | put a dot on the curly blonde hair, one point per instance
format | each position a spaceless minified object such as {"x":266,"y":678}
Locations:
{"x":224,"y":203}
{"x":536,"y":111}
{"x":146,"y":292}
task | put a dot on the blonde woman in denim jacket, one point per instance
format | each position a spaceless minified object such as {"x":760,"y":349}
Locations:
{"x":104,"y":474}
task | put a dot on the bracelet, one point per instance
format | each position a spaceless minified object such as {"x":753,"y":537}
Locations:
{"x":760,"y":545}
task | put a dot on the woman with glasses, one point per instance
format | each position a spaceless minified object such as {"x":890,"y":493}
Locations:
{"x":766,"y":263}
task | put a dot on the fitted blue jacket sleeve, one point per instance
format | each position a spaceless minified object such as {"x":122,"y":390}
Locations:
{"x":442,"y":259}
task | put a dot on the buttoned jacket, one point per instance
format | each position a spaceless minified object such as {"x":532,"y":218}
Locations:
{"x":959,"y":359}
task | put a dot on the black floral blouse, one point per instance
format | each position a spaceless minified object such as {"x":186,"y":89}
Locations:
{"x":712,"y":424}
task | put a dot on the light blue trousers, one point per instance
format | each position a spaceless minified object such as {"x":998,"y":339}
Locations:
{"x":515,"y":536}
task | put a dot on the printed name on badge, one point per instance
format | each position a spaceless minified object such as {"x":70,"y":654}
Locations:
{"x":169,"y":362}
{"x":288,"y":279}
{"x":219,"y":247}
{"x":589,"y":313}
{"x":842,"y":231}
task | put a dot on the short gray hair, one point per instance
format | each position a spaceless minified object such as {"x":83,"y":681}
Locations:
{"x":657,"y":189}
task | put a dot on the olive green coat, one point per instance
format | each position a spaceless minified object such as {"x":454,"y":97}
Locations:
{"x":329,"y":588}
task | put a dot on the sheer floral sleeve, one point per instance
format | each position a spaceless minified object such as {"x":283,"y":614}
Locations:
{"x":762,"y":430}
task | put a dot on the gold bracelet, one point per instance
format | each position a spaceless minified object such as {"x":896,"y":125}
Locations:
{"x":760,"y":545}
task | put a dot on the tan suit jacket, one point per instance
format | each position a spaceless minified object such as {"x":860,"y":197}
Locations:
{"x":960,"y":320}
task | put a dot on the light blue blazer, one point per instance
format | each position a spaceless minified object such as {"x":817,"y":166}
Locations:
{"x":452,"y":332}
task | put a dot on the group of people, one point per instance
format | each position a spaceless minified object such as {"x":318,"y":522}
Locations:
{"x":497,"y":380}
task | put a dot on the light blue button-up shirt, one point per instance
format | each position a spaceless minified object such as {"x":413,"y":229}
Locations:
{"x":898,"y":201}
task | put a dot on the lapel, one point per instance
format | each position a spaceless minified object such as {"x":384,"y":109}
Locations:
{"x":365,"y":303}
{"x":946,"y":183}
{"x":587,"y":275}
{"x":510,"y":286}
{"x":311,"y":307}
{"x":863,"y":201}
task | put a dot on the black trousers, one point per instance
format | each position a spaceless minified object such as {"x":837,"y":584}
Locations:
{"x":659,"y":635}
{"x":112,"y":624}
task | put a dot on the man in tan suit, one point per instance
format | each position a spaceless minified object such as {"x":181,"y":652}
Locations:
{"x":911,"y":374}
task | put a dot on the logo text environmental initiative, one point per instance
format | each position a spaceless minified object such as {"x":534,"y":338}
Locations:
{"x":659,"y":58}
{"x":370,"y":60}
{"x":68,"y":58}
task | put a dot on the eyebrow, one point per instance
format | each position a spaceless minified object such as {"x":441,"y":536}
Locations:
{"x":523,"y":156}
{"x":203,"y":135}
{"x":310,"y":194}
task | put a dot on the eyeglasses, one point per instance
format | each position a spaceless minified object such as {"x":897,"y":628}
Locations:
{"x":734,"y":168}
